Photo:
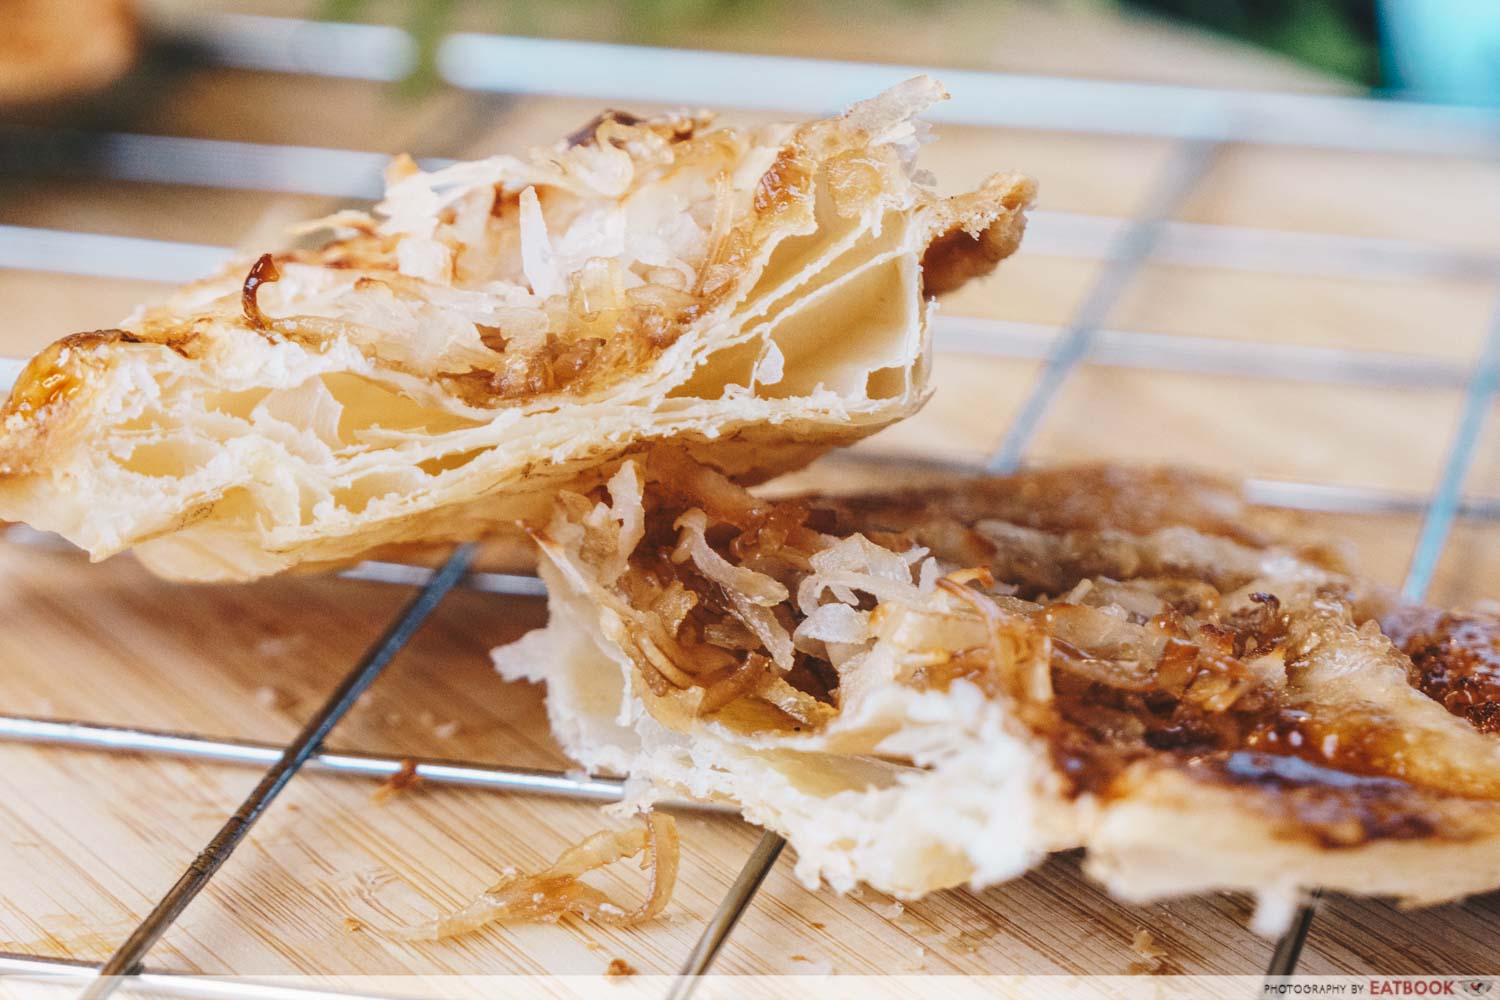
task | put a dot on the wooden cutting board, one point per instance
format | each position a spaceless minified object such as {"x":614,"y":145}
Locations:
{"x":91,"y":840}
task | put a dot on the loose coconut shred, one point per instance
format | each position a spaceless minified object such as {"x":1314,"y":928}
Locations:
{"x":556,"y":891}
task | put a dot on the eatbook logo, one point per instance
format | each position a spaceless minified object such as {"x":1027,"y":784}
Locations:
{"x":1420,"y":987}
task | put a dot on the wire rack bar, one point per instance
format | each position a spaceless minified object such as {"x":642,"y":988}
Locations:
{"x":1203,"y":355}
{"x":195,"y":162}
{"x":1164,"y":352}
{"x":1331,"y":498}
{"x":1327,"y":498}
{"x":153,"y":984}
{"x":1437,"y":526}
{"x":404,"y":574}
{"x":1058,"y":234}
{"x":746,"y":884}
{"x":351,"y":51}
{"x":1288,"y":950}
{"x":101,"y":255}
{"x":127,"y":958}
{"x":1190,"y":160}
{"x":1479,"y":400}
{"x":370,"y":571}
{"x":352,"y":763}
{"x":560,"y":68}
{"x":358,"y":174}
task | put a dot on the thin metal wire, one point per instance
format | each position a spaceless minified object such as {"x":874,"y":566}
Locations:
{"x":195,"y":162}
{"x":1190,"y":160}
{"x":22,"y":968}
{"x":563,"y":68}
{"x":126,"y":959}
{"x":404,"y":574}
{"x":1331,"y":498}
{"x":1437,"y":526}
{"x":10,"y":370}
{"x":104,"y":255}
{"x":356,"y":175}
{"x":1447,"y":500}
{"x":729,"y":911}
{"x":1199,"y":355}
{"x":1149,"y":351}
{"x":344,"y":50}
{"x":370,"y":571}
{"x":1338,"y":498}
{"x":354,"y":763}
{"x":1288,"y":950}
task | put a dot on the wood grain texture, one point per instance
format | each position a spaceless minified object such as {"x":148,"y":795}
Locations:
{"x":88,"y":841}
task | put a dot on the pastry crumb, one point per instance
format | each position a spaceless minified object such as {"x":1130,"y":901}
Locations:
{"x":967,"y":942}
{"x":404,"y":779}
{"x":267,"y":696}
{"x":618,"y":968}
{"x":279,"y":645}
{"x":353,"y":925}
{"x":1153,"y":956}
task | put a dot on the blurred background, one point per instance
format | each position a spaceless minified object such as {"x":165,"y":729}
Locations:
{"x":1439,"y":50}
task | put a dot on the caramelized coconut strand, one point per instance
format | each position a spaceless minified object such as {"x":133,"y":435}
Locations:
{"x":262,"y":272}
{"x":556,"y":891}
{"x":735,"y":681}
{"x":1007,"y":652}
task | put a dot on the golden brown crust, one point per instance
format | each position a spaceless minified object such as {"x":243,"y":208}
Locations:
{"x":1073,"y":498}
{"x":975,"y":242}
{"x":1455,"y":659}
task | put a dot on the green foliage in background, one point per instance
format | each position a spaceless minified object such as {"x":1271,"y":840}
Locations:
{"x":1337,"y":36}
{"x":429,"y":20}
{"x":426,"y":20}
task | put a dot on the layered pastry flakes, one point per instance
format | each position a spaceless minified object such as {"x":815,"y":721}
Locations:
{"x":501,"y":329}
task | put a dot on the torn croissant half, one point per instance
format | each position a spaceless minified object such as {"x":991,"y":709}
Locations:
{"x":928,"y":689}
{"x":502,"y":328}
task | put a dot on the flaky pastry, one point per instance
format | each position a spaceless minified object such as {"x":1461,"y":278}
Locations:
{"x":504,"y":328}
{"x":926,"y":689}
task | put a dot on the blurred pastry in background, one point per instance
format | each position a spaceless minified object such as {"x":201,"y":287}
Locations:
{"x":56,"y":48}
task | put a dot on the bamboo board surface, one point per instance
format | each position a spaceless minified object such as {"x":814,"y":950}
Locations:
{"x":89,"y":841}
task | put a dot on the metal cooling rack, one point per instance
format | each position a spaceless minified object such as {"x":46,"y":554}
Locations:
{"x":1197,"y":122}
